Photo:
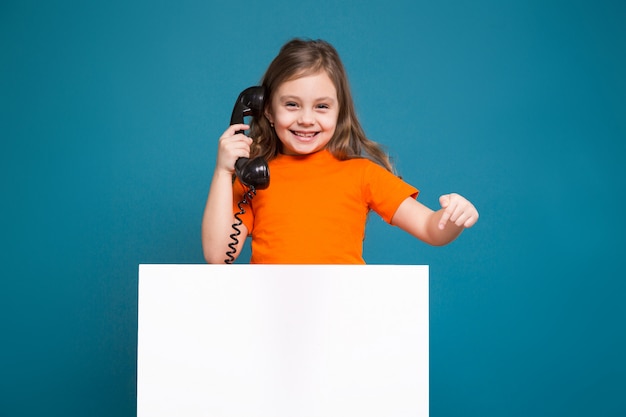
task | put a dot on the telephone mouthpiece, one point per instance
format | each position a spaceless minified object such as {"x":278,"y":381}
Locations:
{"x":253,"y":173}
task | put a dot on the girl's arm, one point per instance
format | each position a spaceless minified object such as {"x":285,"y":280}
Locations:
{"x":218,"y":213}
{"x":439,"y":227}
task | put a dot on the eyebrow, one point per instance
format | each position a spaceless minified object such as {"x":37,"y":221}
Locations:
{"x":289,"y":97}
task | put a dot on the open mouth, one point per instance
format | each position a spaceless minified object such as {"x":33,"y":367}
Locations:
{"x":304,"y":135}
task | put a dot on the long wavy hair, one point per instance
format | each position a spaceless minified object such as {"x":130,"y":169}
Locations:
{"x":300,"y":58}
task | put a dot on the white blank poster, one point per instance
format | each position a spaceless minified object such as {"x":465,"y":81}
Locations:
{"x":282,"y":340}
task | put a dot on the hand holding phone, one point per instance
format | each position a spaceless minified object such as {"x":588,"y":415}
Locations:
{"x":253,"y":173}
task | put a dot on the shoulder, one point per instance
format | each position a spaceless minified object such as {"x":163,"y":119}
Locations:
{"x":362,"y":163}
{"x":368,"y":167}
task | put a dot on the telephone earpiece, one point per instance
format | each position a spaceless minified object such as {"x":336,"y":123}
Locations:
{"x":253,"y":173}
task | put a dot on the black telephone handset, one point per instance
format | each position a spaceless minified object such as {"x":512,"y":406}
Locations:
{"x":253,"y":173}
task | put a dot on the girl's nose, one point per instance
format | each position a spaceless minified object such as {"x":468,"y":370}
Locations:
{"x":306,"y":117}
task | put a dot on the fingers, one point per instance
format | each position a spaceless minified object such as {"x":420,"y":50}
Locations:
{"x":444,"y":200}
{"x":233,"y":129}
{"x":471,"y":219}
{"x":457,"y":210}
{"x":235,"y":144}
{"x":232,"y":146}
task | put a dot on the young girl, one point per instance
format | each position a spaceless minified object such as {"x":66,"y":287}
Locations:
{"x":325,"y":174}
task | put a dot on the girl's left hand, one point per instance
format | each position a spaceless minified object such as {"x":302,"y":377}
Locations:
{"x":458,"y":210}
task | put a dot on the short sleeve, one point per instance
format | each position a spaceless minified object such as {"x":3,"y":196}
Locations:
{"x":384,"y":191}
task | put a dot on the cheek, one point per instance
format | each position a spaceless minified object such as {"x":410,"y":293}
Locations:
{"x":273,"y":112}
{"x":281,"y":117}
{"x":330,"y":122}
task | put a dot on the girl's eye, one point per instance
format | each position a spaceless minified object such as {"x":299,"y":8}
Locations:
{"x":323,"y":106}
{"x":290,"y":104}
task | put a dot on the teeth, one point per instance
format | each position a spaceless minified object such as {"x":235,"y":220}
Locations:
{"x":304,"y":135}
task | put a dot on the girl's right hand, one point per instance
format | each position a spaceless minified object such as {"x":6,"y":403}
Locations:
{"x":232,"y":146}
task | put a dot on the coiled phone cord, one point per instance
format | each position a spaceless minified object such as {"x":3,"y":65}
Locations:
{"x":247,"y":197}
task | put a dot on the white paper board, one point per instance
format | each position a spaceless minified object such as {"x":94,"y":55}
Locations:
{"x":282,"y":340}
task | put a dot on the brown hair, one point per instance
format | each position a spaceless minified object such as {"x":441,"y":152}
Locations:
{"x":299,"y":58}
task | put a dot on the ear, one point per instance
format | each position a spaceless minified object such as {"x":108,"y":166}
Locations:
{"x":269,"y":117}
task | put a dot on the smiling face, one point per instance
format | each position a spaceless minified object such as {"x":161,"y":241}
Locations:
{"x":304,"y":112}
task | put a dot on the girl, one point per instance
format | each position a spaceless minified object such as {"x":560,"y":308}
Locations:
{"x":325,"y":174}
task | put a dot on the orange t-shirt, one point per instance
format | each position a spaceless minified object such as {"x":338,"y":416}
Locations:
{"x":315,"y":208}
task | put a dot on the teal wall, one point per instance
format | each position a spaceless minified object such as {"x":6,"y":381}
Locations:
{"x":110,"y":114}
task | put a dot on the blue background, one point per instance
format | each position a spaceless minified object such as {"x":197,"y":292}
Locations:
{"x":110,"y":114}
